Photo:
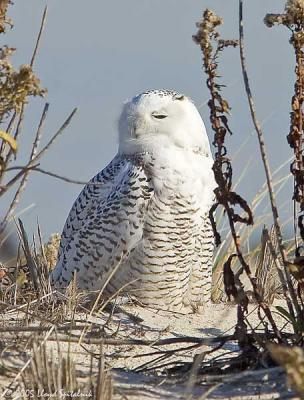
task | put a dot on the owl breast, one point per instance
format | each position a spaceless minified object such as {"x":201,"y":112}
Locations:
{"x":171,"y":266}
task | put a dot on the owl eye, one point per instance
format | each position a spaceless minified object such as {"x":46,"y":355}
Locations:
{"x":159,"y":116}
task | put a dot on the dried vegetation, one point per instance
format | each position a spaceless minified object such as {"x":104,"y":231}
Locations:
{"x":274,"y":265}
{"x":43,"y":330}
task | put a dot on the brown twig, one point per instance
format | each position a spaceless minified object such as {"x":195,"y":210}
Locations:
{"x":207,"y":35}
{"x":293,"y":19}
{"x":21,"y":115}
{"x":24,"y":179}
{"x":262,"y":146}
{"x":35,"y":168}
{"x":38,"y":40}
{"x":19,"y":175}
{"x":7,"y":158}
{"x":58,"y":133}
{"x":161,"y":342}
{"x":17,"y":329}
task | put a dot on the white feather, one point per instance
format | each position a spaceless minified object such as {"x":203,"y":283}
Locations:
{"x":146,"y":213}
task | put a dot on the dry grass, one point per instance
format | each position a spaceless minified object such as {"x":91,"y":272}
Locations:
{"x":44,"y":333}
{"x":58,"y":376}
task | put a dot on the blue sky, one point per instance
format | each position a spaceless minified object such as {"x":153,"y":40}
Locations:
{"x":98,"y":56}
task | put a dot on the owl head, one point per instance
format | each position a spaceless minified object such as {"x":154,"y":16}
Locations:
{"x":159,"y":119}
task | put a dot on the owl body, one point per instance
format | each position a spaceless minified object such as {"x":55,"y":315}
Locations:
{"x":141,"y":226}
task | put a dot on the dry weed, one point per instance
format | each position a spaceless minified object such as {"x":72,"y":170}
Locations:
{"x":58,"y":377}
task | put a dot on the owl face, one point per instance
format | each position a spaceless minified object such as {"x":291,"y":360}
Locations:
{"x":161,"y":118}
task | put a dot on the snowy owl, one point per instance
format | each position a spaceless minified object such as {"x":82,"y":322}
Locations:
{"x":141,"y":225}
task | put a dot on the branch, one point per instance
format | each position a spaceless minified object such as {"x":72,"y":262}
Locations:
{"x":162,"y":342}
{"x":33,"y":163}
{"x":39,"y":36}
{"x":58,"y":133}
{"x":267,"y":169}
{"x":26,"y":171}
{"x":207,"y":35}
{"x":21,"y":115}
{"x":35,"y":168}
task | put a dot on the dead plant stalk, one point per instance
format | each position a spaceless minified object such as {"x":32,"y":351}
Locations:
{"x":207,"y":35}
{"x":266,"y":166}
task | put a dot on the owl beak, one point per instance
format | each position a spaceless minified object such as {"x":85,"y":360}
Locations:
{"x":138,"y":127}
{"x":134,"y":133}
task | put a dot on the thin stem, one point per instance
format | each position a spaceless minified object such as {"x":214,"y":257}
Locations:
{"x":58,"y":133}
{"x":267,"y":170}
{"x":39,"y":37}
{"x":35,"y":168}
{"x":34,"y":161}
{"x":21,"y":115}
{"x":27,"y":171}
{"x":245,"y":266}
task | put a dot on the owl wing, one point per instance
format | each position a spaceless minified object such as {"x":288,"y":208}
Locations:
{"x":109,"y":227}
{"x":92,"y":194}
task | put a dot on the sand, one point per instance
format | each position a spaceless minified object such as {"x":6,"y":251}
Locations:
{"x":137,"y":374}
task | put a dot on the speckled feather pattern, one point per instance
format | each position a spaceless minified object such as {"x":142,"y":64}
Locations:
{"x":145,"y":216}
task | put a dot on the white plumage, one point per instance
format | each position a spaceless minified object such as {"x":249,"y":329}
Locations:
{"x":142,"y":223}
